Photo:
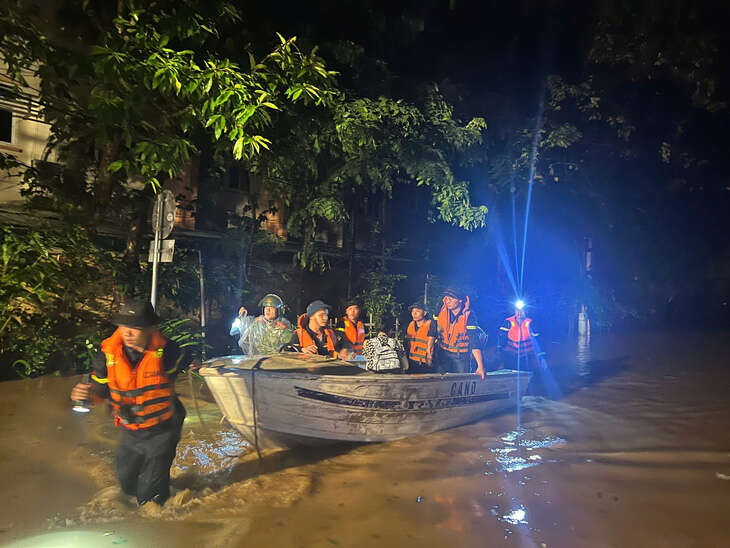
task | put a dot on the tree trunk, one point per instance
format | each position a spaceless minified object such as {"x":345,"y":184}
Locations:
{"x":104,"y":184}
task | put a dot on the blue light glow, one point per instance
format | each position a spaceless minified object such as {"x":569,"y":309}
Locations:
{"x":519,"y":304}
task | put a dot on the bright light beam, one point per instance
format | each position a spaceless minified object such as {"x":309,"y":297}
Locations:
{"x":513,"y":191}
{"x":502,"y":252}
{"x":531,"y":181}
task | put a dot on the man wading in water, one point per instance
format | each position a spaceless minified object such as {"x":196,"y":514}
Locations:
{"x":136,"y":371}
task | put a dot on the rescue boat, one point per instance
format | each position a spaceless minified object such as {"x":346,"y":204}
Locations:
{"x":284,"y":400}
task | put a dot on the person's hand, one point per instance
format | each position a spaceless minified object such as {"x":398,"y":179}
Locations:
{"x":311,"y":349}
{"x":345,"y":354}
{"x":243,"y":312}
{"x":81,"y":392}
{"x":195,"y":365}
{"x":480,"y":372}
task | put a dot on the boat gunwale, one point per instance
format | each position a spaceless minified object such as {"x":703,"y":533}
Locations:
{"x":502,"y":374}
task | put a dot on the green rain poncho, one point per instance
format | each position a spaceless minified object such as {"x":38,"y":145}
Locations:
{"x":259,"y":336}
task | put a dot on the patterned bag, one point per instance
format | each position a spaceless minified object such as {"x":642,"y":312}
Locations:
{"x":382,"y":354}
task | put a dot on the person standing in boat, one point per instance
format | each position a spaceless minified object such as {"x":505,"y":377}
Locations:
{"x":458,"y":335}
{"x":136,"y":371}
{"x":264,"y":334}
{"x":520,"y":348}
{"x":353,"y":329}
{"x":314,"y":335}
{"x":421,"y":338}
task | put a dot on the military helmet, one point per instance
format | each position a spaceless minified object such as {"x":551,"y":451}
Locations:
{"x":271,"y":300}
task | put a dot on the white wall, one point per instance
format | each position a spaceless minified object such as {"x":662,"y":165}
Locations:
{"x":29,"y":134}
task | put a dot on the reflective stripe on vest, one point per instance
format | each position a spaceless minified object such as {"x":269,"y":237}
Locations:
{"x":141,"y":396}
{"x":418,"y":342}
{"x":452,"y":335}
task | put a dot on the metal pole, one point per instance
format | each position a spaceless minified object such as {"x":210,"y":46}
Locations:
{"x":156,"y":249}
{"x":202,"y":301}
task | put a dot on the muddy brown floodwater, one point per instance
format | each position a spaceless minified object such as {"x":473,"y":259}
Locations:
{"x":626,"y":444}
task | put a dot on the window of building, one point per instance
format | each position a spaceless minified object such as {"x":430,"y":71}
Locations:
{"x":238,"y":178}
{"x":6,"y":126}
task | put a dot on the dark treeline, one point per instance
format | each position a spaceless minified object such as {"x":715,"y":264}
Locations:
{"x":416,"y":126}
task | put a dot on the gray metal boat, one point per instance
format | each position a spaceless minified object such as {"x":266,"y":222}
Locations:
{"x":285,"y":400}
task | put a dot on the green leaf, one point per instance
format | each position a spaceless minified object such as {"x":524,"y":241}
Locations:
{"x":116,"y":166}
{"x":238,"y":149}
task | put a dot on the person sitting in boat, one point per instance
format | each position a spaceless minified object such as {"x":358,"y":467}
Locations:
{"x":520,"y":348}
{"x":458,"y":335}
{"x":264,"y":334}
{"x":314,"y":335}
{"x":421,"y":337}
{"x":353,"y":329}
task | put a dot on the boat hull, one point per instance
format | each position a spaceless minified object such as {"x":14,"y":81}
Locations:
{"x":282,"y":409}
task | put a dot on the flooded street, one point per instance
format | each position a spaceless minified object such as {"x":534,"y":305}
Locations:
{"x":626,"y":443}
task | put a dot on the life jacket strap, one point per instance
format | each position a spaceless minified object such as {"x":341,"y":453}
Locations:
{"x":139,"y":391}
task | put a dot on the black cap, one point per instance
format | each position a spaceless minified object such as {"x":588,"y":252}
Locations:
{"x":135,"y":313}
{"x":452,"y":291}
{"x":420,"y":305}
{"x":316,"y":306}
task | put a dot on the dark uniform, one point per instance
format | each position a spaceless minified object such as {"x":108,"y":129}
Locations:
{"x":144,"y":457}
{"x":140,"y":387}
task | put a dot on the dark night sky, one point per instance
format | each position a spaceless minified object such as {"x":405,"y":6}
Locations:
{"x":491,"y":58}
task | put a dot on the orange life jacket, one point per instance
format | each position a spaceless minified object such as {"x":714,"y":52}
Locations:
{"x":418,"y":342}
{"x":519,"y":339}
{"x":355,"y":333}
{"x":141,"y":396}
{"x":305,"y":339}
{"x":452,"y":335}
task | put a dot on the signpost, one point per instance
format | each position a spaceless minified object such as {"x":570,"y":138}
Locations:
{"x":167,"y":249}
{"x":163,"y":220}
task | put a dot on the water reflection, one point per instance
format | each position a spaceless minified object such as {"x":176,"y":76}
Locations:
{"x":583,"y":356}
{"x":518,"y":450}
{"x":516,"y":517}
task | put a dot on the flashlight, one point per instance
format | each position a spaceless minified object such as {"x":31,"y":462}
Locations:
{"x":519,"y":304}
{"x":82,"y":406}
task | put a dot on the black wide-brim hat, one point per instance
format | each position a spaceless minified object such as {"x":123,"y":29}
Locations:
{"x":137,"y":313}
